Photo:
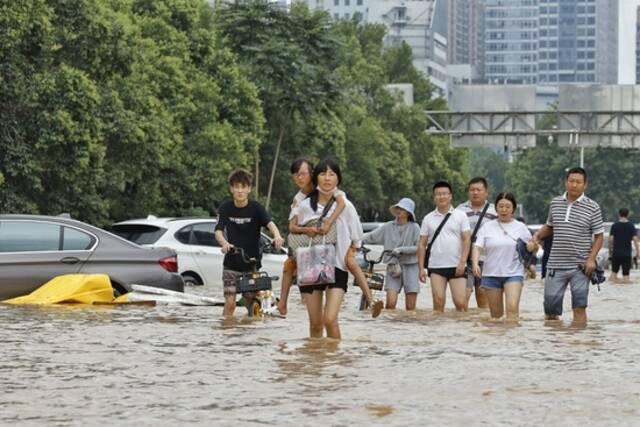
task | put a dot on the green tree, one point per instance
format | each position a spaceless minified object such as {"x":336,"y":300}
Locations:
{"x":289,"y":56}
{"x":491,"y":164}
{"x":119,"y":108}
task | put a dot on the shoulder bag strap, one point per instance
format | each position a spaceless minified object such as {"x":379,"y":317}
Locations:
{"x":435,"y":235}
{"x":506,"y":233}
{"x":325,"y":211}
{"x":476,"y":228}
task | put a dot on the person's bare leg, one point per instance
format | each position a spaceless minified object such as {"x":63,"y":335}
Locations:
{"x":229,"y":305}
{"x":331,"y":312}
{"x":481,"y":298}
{"x":613,"y":277}
{"x":361,"y":280}
{"x":410,"y":300}
{"x":512,"y":291}
{"x":459,"y":293}
{"x":580,"y":316}
{"x":249,"y":297}
{"x":392,"y":299}
{"x":287,"y":279}
{"x":438,"y":291}
{"x":494,"y":298}
{"x":469,"y":292}
{"x":625,"y":279}
{"x":314,"y":309}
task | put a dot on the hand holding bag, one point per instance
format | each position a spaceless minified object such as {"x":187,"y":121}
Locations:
{"x":316,"y":264}
{"x":301,"y":240}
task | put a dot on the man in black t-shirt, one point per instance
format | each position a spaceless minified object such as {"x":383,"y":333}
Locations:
{"x":239,"y":225}
{"x":621,"y":235}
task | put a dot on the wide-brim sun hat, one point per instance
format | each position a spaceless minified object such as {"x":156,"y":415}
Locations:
{"x":407,"y":204}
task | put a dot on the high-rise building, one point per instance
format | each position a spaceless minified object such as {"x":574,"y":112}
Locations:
{"x":638,"y":46}
{"x":551,"y":41}
{"x":511,"y":41}
{"x":422,"y":24}
{"x":465,"y":33}
{"x":578,"y":41}
{"x":342,"y":9}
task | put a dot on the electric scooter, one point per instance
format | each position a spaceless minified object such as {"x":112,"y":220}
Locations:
{"x":374,"y":280}
{"x":258,"y":282}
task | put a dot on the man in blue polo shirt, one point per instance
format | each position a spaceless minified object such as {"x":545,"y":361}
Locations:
{"x":576,"y":224}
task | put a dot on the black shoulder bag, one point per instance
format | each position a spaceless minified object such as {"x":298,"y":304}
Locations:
{"x":475,"y":232}
{"x":435,"y":235}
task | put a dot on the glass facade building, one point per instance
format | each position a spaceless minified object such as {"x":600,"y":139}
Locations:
{"x":465,"y":33}
{"x":638,"y":46}
{"x":511,"y":41}
{"x":551,"y":41}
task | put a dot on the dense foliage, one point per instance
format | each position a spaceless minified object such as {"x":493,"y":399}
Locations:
{"x":537,"y":174}
{"x":114,"y":109}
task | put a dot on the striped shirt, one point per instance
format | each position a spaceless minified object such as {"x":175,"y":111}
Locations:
{"x":574,"y":225}
{"x":474,"y":215}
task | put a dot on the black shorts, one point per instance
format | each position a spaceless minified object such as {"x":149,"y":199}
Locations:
{"x":448,"y":273}
{"x":624,"y":262}
{"x":341,"y":282}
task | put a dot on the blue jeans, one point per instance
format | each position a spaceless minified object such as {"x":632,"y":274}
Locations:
{"x":494,"y":282}
{"x":555,"y":285}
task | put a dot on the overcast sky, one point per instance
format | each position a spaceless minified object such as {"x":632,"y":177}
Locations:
{"x":627,"y":42}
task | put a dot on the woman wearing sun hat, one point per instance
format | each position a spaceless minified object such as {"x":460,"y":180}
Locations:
{"x":400,"y":236}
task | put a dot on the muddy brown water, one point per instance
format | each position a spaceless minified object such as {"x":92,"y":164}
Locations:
{"x":175,"y":365}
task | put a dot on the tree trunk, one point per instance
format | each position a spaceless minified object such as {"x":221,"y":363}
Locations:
{"x":283,"y":126}
{"x":257,"y":180}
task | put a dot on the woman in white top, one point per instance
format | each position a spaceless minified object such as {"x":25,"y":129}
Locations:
{"x":327,"y":176}
{"x":301,"y":170}
{"x":301,"y":173}
{"x":502,"y":273}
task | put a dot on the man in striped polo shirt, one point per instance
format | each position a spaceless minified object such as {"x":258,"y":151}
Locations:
{"x":478,"y":190}
{"x":576,"y":224}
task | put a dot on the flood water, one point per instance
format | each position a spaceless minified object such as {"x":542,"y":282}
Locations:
{"x":174,"y":365}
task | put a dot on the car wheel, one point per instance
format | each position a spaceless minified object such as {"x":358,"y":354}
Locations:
{"x":191,"y":280}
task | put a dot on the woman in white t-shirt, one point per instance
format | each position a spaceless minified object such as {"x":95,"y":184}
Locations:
{"x":301,"y":171}
{"x":327,"y":176}
{"x":502,"y":273}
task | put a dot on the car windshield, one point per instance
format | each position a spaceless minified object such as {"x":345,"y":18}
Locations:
{"x":142,"y":234}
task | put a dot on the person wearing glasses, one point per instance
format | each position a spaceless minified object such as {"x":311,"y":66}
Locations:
{"x":301,"y":173}
{"x":445,"y":234}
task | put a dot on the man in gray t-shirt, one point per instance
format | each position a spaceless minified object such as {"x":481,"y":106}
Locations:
{"x":473,"y":208}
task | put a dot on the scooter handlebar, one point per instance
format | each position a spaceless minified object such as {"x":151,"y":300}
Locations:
{"x":377,"y":261}
{"x":240,"y":251}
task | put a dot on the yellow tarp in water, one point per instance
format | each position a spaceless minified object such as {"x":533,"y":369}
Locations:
{"x":70,"y":289}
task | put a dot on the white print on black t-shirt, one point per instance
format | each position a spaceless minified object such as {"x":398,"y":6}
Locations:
{"x":240,"y":220}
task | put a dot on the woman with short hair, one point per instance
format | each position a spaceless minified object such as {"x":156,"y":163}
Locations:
{"x":401,"y":237}
{"x":502,"y":273}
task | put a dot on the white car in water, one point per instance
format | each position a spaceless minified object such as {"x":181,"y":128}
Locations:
{"x":199,"y":255}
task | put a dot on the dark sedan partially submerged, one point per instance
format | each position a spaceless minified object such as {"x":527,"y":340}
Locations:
{"x":34,"y":249}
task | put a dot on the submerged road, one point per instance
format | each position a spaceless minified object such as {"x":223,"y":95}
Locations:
{"x":174,"y":365}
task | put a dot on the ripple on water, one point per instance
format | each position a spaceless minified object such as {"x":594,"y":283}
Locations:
{"x":171,"y":365}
